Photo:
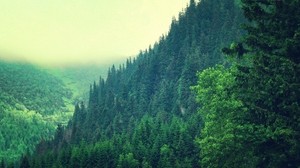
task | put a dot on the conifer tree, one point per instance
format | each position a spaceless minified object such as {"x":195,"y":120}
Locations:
{"x":268,"y":79}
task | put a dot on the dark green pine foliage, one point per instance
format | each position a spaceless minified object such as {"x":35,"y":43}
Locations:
{"x":270,"y":84}
{"x":251,"y":110}
{"x":144,"y":113}
{"x":158,"y":80}
{"x":25,"y":162}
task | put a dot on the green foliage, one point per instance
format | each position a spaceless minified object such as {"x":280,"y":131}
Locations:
{"x":32,"y":88}
{"x":20,"y":131}
{"x":251,"y":111}
{"x":127,"y":161}
{"x":224,"y":135}
{"x":30,"y":100}
{"x":270,"y":82}
{"x":144,"y":113}
{"x":152,"y":143}
{"x":33,"y":100}
{"x":159,"y":78}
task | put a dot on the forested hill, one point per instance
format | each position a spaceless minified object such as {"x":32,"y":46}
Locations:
{"x":34,"y":100}
{"x":31,"y":88}
{"x":29,"y":100}
{"x":158,"y":80}
{"x":144,"y":114}
{"x":78,"y":76}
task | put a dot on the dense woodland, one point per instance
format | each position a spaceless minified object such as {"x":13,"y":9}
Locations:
{"x":144,"y":113}
{"x":241,"y":110}
{"x":27,"y":96}
{"x":23,"y":82}
{"x":33,"y":100}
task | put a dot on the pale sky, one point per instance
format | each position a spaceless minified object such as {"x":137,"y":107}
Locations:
{"x":72,"y":31}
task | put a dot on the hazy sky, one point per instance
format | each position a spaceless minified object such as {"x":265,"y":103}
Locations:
{"x":60,"y":31}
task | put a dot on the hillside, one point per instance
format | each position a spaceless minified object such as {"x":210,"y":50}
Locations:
{"x":158,"y":80}
{"x":33,"y":88}
{"x":32,"y":103}
{"x":144,"y":113}
{"x":34,"y":100}
{"x":78,"y":78}
{"x":183,"y":103}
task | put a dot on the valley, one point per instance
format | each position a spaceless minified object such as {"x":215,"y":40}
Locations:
{"x":219,"y":89}
{"x":34,"y":100}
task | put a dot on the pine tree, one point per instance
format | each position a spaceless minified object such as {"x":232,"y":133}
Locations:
{"x":268,"y":79}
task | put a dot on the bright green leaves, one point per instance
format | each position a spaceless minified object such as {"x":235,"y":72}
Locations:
{"x":251,"y":125}
{"x":224,"y":137}
{"x":211,"y":84}
{"x":252,"y":116}
{"x":214,"y":93}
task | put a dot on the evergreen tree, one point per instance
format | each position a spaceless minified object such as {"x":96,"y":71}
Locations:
{"x":270,"y":81}
{"x":251,"y":111}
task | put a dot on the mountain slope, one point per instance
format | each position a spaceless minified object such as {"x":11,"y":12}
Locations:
{"x":30,"y":98}
{"x":34,"y":88}
{"x":144,"y":114}
{"x":159,"y":79}
{"x":78,"y":78}
{"x":34,"y":100}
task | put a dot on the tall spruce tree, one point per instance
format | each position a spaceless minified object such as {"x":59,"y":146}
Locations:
{"x":267,"y":80}
{"x":251,"y":111}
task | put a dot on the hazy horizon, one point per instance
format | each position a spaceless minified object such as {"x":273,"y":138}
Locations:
{"x":69,"y":32}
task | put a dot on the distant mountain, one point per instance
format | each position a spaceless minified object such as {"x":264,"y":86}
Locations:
{"x":79,"y":77}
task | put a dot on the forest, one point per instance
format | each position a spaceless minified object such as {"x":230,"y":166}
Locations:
{"x":33,"y":100}
{"x":220,"y":89}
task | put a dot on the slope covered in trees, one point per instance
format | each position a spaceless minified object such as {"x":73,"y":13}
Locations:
{"x":33,"y":100}
{"x":144,"y":114}
{"x":158,"y":80}
{"x":32,"y":88}
{"x":28,"y":96}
